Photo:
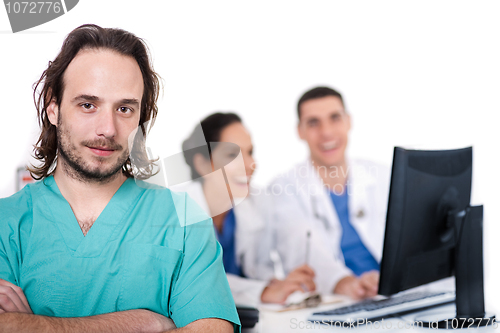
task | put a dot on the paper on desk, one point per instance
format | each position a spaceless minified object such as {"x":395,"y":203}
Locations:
{"x":325,"y":299}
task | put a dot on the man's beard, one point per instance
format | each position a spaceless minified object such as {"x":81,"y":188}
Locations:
{"x":77,"y":167}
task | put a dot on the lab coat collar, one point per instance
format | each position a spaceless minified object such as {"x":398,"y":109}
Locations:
{"x":357,"y":173}
{"x":360,"y":179}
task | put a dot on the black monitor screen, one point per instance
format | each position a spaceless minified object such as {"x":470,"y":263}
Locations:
{"x":426,"y":186}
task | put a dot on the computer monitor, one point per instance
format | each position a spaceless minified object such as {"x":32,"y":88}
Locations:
{"x":432,"y":232}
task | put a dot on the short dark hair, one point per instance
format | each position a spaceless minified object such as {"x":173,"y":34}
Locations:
{"x":90,"y":36}
{"x":212,"y":127}
{"x":318,"y":92}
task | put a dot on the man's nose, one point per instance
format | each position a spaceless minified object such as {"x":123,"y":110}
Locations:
{"x":327,"y":130}
{"x":106,"y":123}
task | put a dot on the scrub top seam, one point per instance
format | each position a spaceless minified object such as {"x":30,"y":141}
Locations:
{"x":119,"y":224}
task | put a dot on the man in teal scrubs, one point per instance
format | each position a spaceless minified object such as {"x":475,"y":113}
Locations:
{"x":89,"y":248}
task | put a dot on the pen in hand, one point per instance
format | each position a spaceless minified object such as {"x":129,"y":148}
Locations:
{"x":308,"y":245}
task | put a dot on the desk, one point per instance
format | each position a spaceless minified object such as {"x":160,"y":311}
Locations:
{"x":295,"y":321}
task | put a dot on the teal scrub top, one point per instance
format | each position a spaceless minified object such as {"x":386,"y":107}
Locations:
{"x":139,"y":254}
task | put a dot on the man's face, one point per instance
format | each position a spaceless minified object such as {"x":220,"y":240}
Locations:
{"x":325,"y":125}
{"x":100,"y":108}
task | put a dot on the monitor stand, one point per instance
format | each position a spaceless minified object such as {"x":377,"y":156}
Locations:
{"x":468,"y":226}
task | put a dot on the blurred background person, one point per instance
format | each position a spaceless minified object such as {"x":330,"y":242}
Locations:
{"x":221,"y":186}
{"x":332,"y":204}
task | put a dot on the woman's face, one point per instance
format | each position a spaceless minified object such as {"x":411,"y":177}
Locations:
{"x":238,"y":172}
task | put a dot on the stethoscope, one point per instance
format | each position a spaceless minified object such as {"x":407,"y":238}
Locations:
{"x":317,"y":215}
{"x":314,"y":205}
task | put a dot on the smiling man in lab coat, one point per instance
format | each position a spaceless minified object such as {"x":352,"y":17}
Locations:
{"x":329,"y":211}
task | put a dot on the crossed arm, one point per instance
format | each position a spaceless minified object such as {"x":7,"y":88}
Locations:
{"x":16,"y":316}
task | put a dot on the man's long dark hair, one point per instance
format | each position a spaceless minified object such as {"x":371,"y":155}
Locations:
{"x":51,"y":84}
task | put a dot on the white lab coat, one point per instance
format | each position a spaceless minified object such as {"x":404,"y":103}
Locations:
{"x":301,"y":204}
{"x":248,"y":232}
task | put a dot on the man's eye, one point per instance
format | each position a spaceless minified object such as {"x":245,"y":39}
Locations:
{"x":124,"y":109}
{"x":87,"y":106}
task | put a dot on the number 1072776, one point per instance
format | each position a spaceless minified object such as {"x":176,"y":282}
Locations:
{"x":33,"y":7}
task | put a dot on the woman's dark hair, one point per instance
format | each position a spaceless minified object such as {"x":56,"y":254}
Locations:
{"x":211,"y":129}
{"x":51,"y":83}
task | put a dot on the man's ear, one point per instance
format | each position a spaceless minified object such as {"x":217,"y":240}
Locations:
{"x":53,"y":112}
{"x":202,"y":166}
{"x":349,"y":124}
{"x":300,"y":130}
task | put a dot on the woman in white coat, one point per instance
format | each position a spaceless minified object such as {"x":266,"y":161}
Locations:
{"x":221,"y":171}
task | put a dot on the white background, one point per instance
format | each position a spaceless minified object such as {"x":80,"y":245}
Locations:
{"x":419,"y":74}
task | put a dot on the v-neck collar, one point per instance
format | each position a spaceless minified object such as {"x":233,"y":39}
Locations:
{"x":113,"y":214}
